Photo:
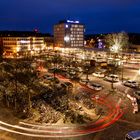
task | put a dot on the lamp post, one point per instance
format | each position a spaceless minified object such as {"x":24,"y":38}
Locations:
{"x":114,"y":51}
{"x":122,"y":70}
{"x":86,"y":64}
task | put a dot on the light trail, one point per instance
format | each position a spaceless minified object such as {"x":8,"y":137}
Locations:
{"x":114,"y":112}
{"x":28,"y":129}
{"x":43,"y":127}
{"x":63,"y":131}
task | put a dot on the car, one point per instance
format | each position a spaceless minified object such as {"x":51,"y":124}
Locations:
{"x":112,"y":77}
{"x":95,"y":86}
{"x":84,"y":81}
{"x":131,"y":83}
{"x":133,"y":135}
{"x":72,"y":72}
{"x":99,"y":59}
{"x":137,"y":94}
{"x":98,"y":74}
{"x":47,"y":77}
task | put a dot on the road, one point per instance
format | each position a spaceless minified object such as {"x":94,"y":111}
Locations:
{"x":35,"y":130}
{"x":115,"y":131}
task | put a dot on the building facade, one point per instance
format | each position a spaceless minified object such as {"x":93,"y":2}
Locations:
{"x":23,"y":43}
{"x":49,"y":42}
{"x":69,"y":34}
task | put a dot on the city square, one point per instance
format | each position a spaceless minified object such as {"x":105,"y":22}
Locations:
{"x":70,"y":83}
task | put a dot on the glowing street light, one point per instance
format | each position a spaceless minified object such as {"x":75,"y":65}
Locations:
{"x":83,"y":57}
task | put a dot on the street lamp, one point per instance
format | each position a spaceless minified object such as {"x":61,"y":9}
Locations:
{"x":122,"y":70}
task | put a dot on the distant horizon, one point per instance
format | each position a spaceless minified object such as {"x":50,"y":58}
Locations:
{"x":6,"y":30}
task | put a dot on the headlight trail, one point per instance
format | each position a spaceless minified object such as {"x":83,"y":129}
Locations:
{"x":114,"y":112}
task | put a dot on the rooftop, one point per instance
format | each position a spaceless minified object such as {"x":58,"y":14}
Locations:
{"x":22,"y":34}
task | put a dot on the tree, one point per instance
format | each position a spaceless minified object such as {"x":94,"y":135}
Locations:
{"x":92,"y":43}
{"x":57,"y":59}
{"x":26,"y":75}
{"x":117,"y":42}
{"x":86,"y":63}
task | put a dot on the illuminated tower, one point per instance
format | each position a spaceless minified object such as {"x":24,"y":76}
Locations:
{"x":69,"y":34}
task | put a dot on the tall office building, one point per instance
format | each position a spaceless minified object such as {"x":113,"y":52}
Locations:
{"x":69,"y":34}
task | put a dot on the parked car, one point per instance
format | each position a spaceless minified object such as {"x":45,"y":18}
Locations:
{"x":112,"y":77}
{"x":47,"y":77}
{"x":133,"y":135}
{"x":95,"y":86}
{"x":131,"y":83}
{"x":99,"y":74}
{"x":84,"y":81}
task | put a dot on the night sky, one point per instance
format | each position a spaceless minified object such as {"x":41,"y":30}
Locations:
{"x":99,"y":16}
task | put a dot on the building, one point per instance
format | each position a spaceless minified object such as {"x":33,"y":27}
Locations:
{"x":69,"y":34}
{"x":15,"y":43}
{"x":49,"y":42}
{"x":22,"y":45}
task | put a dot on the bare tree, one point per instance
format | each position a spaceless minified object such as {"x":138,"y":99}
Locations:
{"x":117,"y":42}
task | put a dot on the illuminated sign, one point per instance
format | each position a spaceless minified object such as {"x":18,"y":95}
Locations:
{"x":70,"y":21}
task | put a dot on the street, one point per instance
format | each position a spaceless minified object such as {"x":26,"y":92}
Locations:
{"x":126,"y":123}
